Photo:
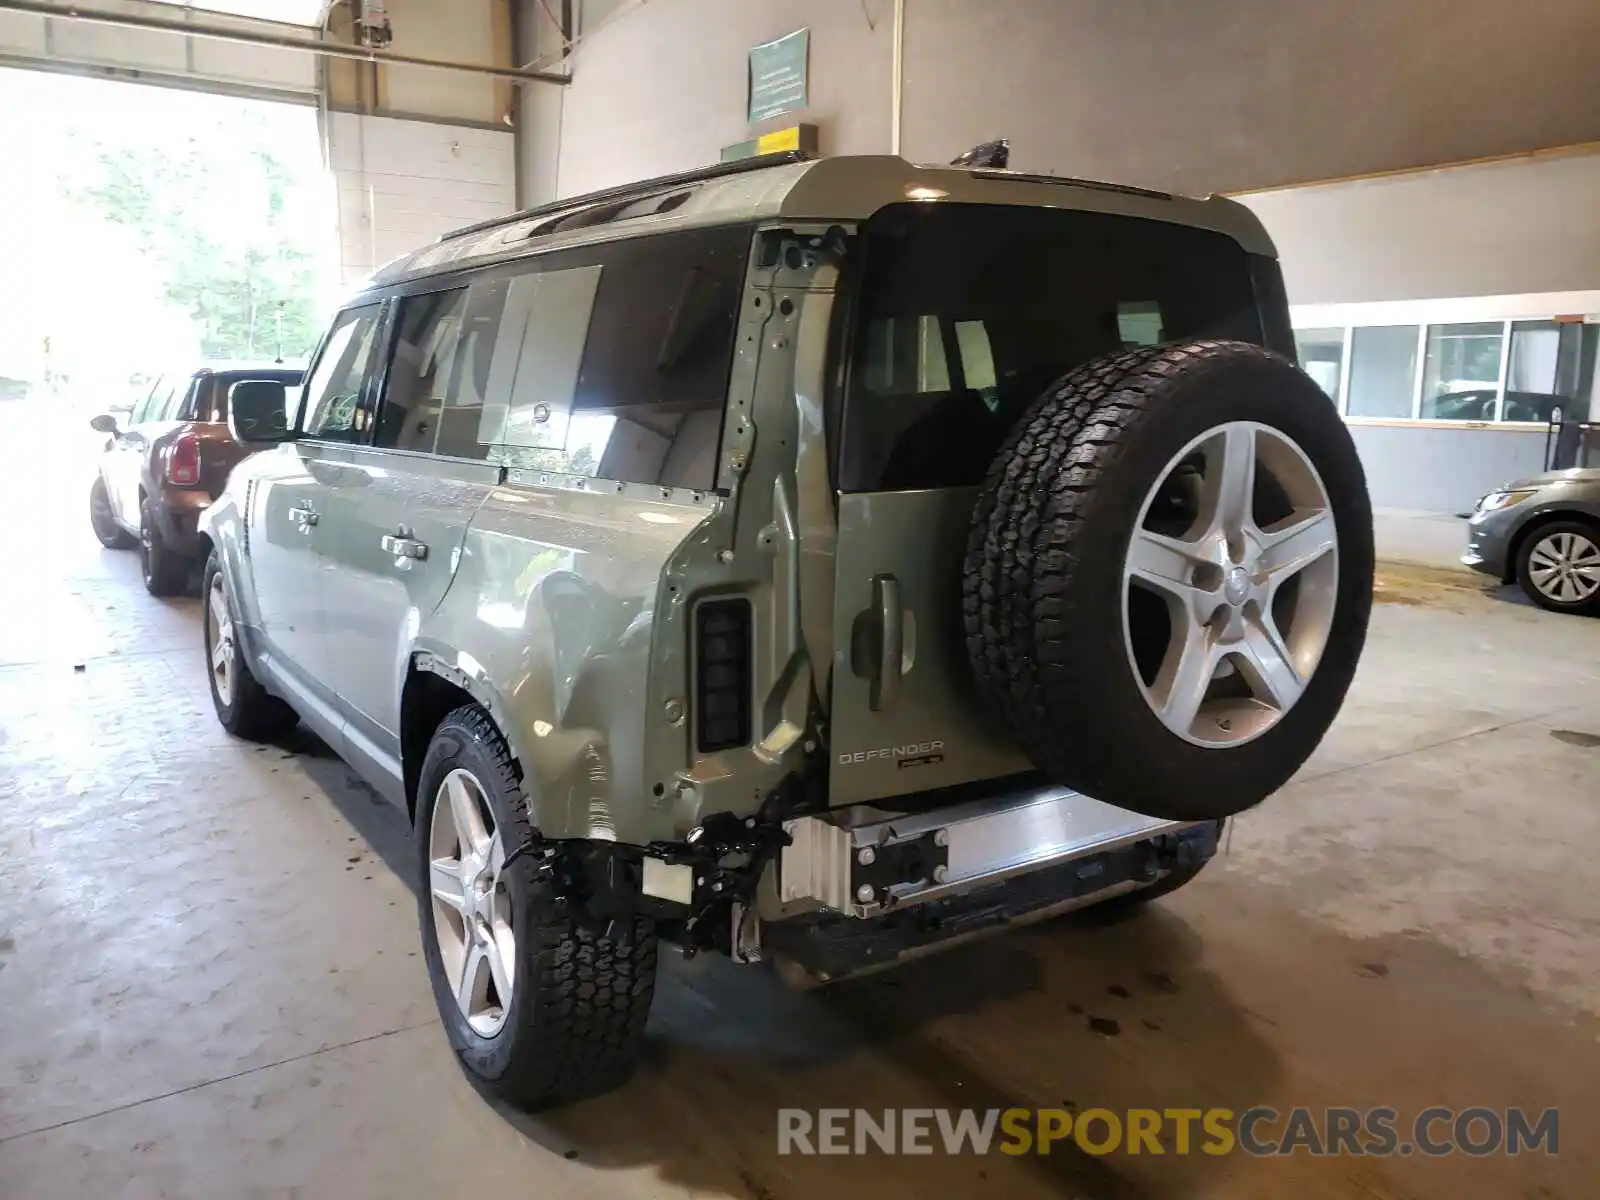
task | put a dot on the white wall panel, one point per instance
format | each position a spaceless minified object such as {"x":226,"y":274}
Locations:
{"x":22,"y":33}
{"x":1491,"y":229}
{"x":403,"y":183}
{"x":61,"y":44}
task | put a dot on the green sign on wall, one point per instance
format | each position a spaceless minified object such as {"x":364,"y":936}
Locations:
{"x":778,"y":76}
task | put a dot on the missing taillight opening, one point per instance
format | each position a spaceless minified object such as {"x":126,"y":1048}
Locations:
{"x":722,"y":674}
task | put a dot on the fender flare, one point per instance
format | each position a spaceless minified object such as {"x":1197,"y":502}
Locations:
{"x":471,"y":679}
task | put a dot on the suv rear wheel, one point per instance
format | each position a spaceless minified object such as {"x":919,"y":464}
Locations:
{"x":1169,"y":577}
{"x":166,"y":573}
{"x":541,"y":1006}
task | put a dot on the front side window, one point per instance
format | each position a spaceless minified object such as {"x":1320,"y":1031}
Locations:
{"x":151,"y":404}
{"x":333,"y":392}
{"x":966,"y":313}
{"x":1461,"y":371}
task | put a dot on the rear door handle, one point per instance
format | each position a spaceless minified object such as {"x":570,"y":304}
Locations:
{"x":402,"y":546}
{"x":303,"y":517}
{"x":891,"y":641}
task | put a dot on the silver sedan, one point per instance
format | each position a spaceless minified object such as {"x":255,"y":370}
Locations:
{"x":1543,"y":533}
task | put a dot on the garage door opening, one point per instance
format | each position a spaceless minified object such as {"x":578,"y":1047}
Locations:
{"x":149,"y":228}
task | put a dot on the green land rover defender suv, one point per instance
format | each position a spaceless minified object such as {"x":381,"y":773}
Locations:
{"x":806,"y":561}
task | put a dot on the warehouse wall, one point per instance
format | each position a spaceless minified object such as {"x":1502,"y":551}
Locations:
{"x":403,"y":183}
{"x":663,"y":86}
{"x":1527,"y":225}
{"x":468,"y":31}
{"x":1196,"y":97}
{"x":1428,"y":468}
{"x":1527,"y":230}
{"x":539,"y":106}
{"x":1249,"y":94}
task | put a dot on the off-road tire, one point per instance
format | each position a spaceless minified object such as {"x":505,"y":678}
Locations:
{"x":576,"y":1022}
{"x":1585,"y":529}
{"x":254,"y":714}
{"x":112,"y":535}
{"x":165,"y":571}
{"x":1043,"y":582}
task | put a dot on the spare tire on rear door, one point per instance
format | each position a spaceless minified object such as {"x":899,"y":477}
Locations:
{"x":1168,"y":577}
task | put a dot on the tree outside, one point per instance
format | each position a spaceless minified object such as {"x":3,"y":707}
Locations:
{"x":163,"y":229}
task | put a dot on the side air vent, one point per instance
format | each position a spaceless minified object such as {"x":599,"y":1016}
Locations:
{"x":722,"y":674}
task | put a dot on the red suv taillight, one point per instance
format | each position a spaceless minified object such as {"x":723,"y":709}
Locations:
{"x":183,"y":461}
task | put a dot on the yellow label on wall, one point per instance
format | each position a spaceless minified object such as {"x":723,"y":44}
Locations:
{"x":779,"y":140}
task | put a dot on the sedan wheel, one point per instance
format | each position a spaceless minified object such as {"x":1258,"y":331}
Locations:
{"x":1565,"y":567}
{"x":1559,"y":567}
{"x":471,"y":903}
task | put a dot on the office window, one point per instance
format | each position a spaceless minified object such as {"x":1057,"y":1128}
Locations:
{"x":1461,"y":371}
{"x":1383,"y":371}
{"x":1552,"y":365}
{"x":1321,"y":354}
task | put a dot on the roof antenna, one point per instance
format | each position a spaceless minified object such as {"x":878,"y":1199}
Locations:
{"x":995,"y":154}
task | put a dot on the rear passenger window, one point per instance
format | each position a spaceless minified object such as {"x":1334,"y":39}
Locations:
{"x":173,"y":408}
{"x":429,"y":376}
{"x":613,"y":360}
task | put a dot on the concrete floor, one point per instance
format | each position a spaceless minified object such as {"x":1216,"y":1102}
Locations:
{"x":209,"y":983}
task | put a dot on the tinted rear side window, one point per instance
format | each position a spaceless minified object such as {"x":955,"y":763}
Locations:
{"x":966,"y":313}
{"x":610,"y":360}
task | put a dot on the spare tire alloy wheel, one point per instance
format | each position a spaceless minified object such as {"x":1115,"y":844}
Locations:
{"x":1169,"y":577}
{"x":471,"y":903}
{"x":1231,"y":618}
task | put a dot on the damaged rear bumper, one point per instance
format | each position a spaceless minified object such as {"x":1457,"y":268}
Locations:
{"x":869,"y":889}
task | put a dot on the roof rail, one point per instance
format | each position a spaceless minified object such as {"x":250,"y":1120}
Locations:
{"x":1097,"y":184}
{"x":642,"y":188}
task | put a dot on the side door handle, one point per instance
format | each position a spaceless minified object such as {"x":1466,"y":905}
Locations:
{"x":303,"y":517}
{"x":402,"y":545}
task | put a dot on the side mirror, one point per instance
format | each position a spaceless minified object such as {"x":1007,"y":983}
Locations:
{"x":258,"y":411}
{"x":104,"y":423}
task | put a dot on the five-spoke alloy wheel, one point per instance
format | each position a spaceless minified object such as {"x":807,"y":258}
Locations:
{"x":472,"y":917}
{"x":1169,"y":575}
{"x":1232,"y":618}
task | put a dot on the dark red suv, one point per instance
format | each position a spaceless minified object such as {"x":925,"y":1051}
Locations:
{"x":168,"y":462}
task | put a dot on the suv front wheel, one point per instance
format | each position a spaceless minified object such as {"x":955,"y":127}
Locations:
{"x":541,"y":1005}
{"x":244,"y":708}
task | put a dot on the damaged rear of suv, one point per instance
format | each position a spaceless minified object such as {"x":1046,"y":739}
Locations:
{"x":810,"y":562}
